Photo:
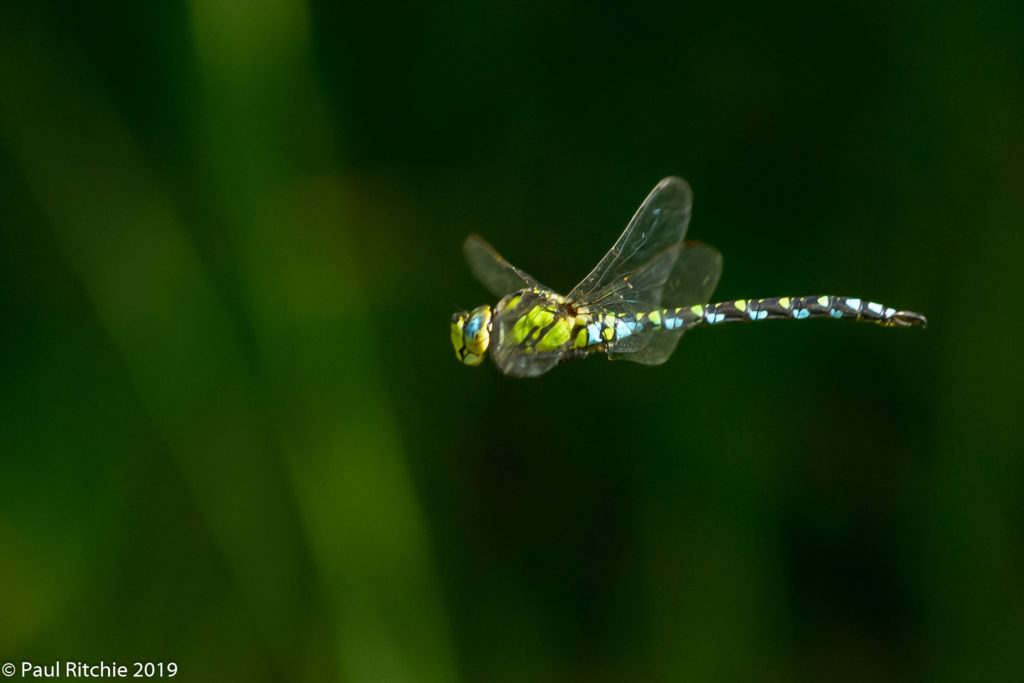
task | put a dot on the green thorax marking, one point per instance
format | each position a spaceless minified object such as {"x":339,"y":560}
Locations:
{"x":534,"y":320}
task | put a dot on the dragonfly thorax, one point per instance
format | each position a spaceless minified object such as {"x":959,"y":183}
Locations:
{"x":471,"y":334}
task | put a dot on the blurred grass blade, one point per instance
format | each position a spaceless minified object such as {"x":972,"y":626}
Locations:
{"x":314,"y":334}
{"x":173,"y":328}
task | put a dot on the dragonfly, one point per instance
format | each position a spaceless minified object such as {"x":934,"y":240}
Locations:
{"x":651,"y":287}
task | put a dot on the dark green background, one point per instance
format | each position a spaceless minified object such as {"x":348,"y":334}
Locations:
{"x":233,"y":433}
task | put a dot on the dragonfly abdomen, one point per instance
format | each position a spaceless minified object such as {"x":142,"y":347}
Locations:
{"x":594,"y":332}
{"x":800,"y":308}
{"x":602,"y":329}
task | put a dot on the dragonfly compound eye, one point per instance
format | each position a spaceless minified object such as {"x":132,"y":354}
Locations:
{"x":477,"y":333}
{"x":471,"y":335}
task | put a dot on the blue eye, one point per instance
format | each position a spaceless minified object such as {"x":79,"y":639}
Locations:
{"x":473,"y":326}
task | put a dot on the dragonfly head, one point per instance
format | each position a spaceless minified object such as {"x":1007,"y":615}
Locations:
{"x":471,"y":334}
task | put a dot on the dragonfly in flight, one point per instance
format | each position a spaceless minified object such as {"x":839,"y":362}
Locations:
{"x":650,"y":288}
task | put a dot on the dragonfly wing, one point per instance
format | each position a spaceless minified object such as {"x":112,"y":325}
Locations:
{"x":691,"y":281}
{"x":515,"y":364}
{"x":694,"y":277}
{"x":639,"y":290}
{"x":658,"y":225}
{"x":511,"y":347}
{"x":495,"y":273}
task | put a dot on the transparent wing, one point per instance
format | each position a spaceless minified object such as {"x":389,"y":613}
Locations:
{"x":639,"y":290}
{"x":695,"y":276}
{"x":513,"y":357}
{"x":514,"y":363}
{"x":691,"y":281}
{"x":495,"y":273}
{"x":645,"y":252}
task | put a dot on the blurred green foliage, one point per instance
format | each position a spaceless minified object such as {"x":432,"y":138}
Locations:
{"x":233,"y":434}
